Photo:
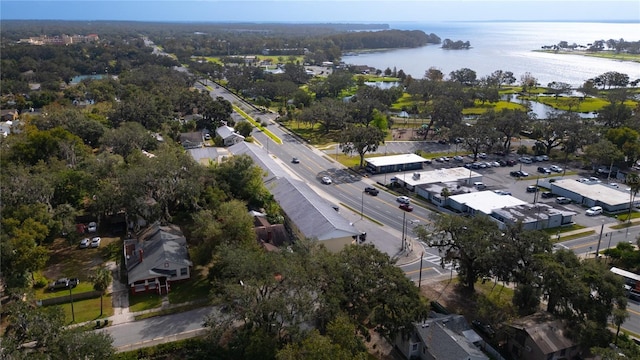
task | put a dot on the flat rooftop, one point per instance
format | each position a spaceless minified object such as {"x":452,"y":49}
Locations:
{"x":486,"y":201}
{"x":530,"y":212}
{"x":395,"y":159}
{"x":596,"y":191}
{"x":438,"y":176}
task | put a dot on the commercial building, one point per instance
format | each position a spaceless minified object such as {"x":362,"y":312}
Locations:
{"x":589,"y":194}
{"x":394,"y":163}
{"x":420,"y":181}
{"x":532,"y":216}
{"x":482,"y":202}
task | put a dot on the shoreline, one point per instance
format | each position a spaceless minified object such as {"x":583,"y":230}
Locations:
{"x":600,"y":55}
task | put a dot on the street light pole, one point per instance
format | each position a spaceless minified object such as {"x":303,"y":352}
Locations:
{"x":599,"y":239}
{"x":420,"y":275}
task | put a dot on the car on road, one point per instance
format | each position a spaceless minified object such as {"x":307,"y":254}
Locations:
{"x":563,"y":200}
{"x":371,"y":190}
{"x":95,"y":242}
{"x":84,"y":243}
{"x":92,"y":227}
{"x":593,"y":211}
{"x":532,"y":188}
{"x":326,"y":180}
{"x":555,"y":168}
{"x":543,"y":170}
{"x":406,"y":207}
{"x":403,"y":199}
{"x":295,"y":160}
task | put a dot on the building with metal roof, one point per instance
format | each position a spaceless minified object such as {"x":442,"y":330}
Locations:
{"x":532,"y":216}
{"x":483,"y":202}
{"x":393,"y":163}
{"x":612,"y":199}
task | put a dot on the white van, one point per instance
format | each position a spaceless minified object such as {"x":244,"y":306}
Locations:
{"x":479,"y":185}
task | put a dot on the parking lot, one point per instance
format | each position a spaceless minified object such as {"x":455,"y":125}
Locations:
{"x":499,"y":178}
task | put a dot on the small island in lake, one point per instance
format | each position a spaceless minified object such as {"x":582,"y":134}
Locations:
{"x":610,"y":49}
{"x":455,"y":45}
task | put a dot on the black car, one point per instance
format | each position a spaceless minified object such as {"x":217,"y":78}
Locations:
{"x":544,"y":170}
{"x":371,"y":191}
{"x":547,"y":194}
{"x":295,"y":160}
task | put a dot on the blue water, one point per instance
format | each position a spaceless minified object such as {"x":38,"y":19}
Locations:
{"x":508,"y":46}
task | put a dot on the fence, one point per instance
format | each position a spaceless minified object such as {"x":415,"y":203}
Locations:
{"x":67,"y":298}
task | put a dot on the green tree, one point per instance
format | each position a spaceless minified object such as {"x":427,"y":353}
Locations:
{"x":466,"y":243}
{"x":633,"y":181}
{"x":361,"y":140}
{"x":244,"y":128}
{"x":101,"y":279}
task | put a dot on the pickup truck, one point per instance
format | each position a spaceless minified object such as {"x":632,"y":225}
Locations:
{"x":371,"y":191}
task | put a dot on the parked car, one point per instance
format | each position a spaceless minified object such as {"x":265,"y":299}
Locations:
{"x":406,"y":207}
{"x":95,"y":242}
{"x":544,"y":170}
{"x":563,"y":200}
{"x":532,"y":188}
{"x":555,"y":168}
{"x":519,"y":173}
{"x":593,"y":211}
{"x":458,"y":158}
{"x":502,"y":192}
{"x":326,"y":180}
{"x":547,"y":194}
{"x":295,"y":160}
{"x":84,"y":243}
{"x":403,"y":199}
{"x":371,"y":190}
{"x":482,"y":155}
{"x":59,"y":284}
{"x":73,"y":282}
{"x":92,"y":227}
{"x":502,"y":162}
{"x":526,"y":160}
{"x":511,"y":162}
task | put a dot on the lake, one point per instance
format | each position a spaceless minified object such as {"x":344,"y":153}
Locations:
{"x":508,"y":46}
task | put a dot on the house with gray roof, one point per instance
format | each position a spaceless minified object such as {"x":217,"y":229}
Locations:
{"x":308,"y":215}
{"x":443,"y":337}
{"x":158,"y":257}
{"x":229,"y":135}
{"x":541,"y":336}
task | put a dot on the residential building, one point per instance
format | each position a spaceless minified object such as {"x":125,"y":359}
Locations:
{"x":540,"y":336}
{"x":446,"y":337}
{"x":191,"y":140}
{"x":156,"y":258}
{"x":229,"y":135}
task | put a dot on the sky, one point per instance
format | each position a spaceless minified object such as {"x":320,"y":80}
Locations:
{"x":304,"y":11}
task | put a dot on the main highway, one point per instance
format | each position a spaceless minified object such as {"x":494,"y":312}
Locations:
{"x":380,"y":216}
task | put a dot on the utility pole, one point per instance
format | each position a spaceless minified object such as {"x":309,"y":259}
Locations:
{"x":73,"y":314}
{"x":362,"y":206}
{"x":404,"y":215}
{"x":420,"y":275}
{"x":599,"y":239}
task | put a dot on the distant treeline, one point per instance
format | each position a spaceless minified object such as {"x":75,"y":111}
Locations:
{"x":619,"y":46}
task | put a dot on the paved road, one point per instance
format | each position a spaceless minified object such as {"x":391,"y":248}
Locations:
{"x":347,"y":192}
{"x":130,"y":334}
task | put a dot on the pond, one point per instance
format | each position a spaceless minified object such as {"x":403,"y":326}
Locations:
{"x":541,"y":110}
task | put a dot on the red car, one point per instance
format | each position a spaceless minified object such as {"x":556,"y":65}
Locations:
{"x":406,"y":207}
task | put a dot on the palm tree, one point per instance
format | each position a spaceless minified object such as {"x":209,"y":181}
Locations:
{"x":633,"y":181}
{"x":101,"y":279}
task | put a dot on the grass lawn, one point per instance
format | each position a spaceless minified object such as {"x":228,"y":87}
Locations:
{"x":87,"y":310}
{"x":625,"y":216}
{"x":197,"y":288}
{"x":577,"y":236}
{"x":140,"y":302}
{"x":479,"y":108}
{"x":564,"y":229}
